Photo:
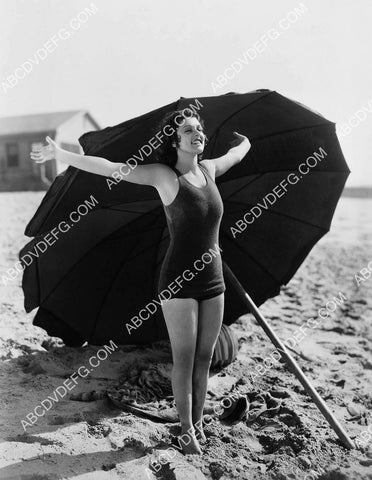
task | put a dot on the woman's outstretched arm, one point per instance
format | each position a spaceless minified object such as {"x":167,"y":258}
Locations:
{"x":144,"y":174}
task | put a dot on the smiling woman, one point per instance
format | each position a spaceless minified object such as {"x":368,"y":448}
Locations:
{"x":193,"y":314}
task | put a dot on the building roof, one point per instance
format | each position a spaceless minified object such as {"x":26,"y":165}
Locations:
{"x":39,"y":122}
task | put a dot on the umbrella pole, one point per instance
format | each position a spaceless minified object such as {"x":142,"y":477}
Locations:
{"x":319,"y":402}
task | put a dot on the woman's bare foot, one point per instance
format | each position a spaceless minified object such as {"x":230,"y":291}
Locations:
{"x":189,"y":443}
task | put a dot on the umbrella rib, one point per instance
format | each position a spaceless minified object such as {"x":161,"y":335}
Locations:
{"x":150,"y":212}
{"x":279,"y":171}
{"x":327,"y":123}
{"x":284,"y":215}
{"x":225,"y":234}
{"x":244,"y":186}
{"x":239,"y":110}
{"x":117,"y":209}
{"x":258,"y":176}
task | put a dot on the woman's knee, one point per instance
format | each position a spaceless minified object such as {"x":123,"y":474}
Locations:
{"x":183,"y":358}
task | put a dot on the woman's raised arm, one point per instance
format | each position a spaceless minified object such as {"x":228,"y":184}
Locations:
{"x":143,"y":174}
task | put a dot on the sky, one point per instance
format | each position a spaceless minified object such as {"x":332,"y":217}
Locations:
{"x":119,"y":59}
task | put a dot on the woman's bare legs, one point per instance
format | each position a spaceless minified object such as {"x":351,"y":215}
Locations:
{"x":181,"y":318}
{"x":210,"y":318}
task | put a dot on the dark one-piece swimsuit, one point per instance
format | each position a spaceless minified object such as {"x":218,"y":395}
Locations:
{"x":192,"y":266}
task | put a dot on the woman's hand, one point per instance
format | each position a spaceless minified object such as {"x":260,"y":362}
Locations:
{"x":46,"y":152}
{"x":240,"y":139}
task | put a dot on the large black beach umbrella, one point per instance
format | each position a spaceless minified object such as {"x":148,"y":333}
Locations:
{"x":102,"y":272}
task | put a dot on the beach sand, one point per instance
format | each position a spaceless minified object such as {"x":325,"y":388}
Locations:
{"x":96,"y":440}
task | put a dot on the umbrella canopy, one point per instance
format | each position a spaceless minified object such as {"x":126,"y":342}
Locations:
{"x":103,"y":272}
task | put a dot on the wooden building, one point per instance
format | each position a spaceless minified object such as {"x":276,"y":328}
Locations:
{"x":19,"y":134}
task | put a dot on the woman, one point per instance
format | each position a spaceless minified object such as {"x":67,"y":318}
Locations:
{"x":193,"y":208}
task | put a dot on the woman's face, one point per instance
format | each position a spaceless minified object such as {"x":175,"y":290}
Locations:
{"x":191,"y":137}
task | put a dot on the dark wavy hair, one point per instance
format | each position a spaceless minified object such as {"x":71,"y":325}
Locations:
{"x":166,"y":153}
